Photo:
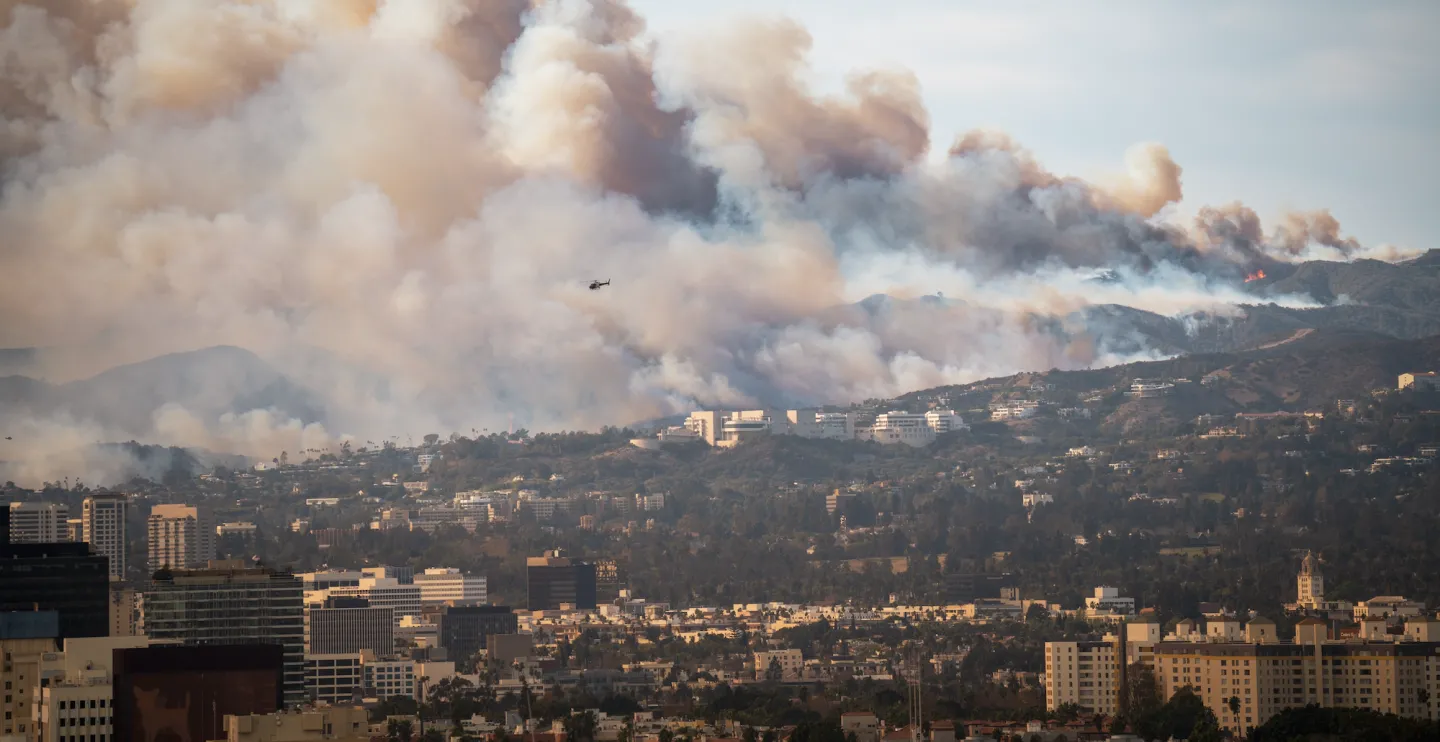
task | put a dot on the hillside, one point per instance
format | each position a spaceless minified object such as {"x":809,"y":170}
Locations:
{"x":1304,"y":371}
{"x":209,"y":383}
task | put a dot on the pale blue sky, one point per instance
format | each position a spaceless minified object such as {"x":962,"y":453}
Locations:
{"x":1300,"y":104}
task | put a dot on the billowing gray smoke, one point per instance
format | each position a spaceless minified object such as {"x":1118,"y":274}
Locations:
{"x":399,"y":203}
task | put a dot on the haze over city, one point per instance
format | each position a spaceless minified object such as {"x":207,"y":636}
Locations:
{"x":668,"y":371}
{"x":400,"y":211}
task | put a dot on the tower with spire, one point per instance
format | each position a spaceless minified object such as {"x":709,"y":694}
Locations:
{"x":1310,"y":584}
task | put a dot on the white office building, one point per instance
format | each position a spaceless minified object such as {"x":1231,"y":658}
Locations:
{"x":445,"y":584}
{"x":729,"y":428}
{"x":382,"y":592}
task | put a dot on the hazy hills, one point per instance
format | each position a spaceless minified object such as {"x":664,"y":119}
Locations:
{"x":208,"y":383}
{"x":1271,"y":356}
{"x":1309,"y":371}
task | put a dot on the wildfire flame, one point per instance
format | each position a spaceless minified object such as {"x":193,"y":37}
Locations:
{"x":1256,"y":276}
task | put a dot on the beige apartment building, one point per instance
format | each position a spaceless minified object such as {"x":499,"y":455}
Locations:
{"x":1246,"y":677}
{"x":180,"y":537}
{"x":102,"y":525}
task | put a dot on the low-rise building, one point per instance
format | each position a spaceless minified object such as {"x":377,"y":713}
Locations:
{"x":332,"y":724}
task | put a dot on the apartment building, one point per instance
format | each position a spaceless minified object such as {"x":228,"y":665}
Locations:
{"x":25,"y":640}
{"x":180,"y":537}
{"x":1086,"y":674}
{"x":790,"y":661}
{"x":1247,"y":682}
{"x":102,"y":525}
{"x":38,"y":523}
{"x":1245,"y":675}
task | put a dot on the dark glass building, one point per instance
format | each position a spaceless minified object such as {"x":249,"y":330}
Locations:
{"x":182,"y":694}
{"x":553,"y":581}
{"x":230,"y":604}
{"x":62,"y":577}
{"x":463,"y":629}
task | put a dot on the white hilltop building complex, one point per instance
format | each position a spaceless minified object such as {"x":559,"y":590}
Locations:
{"x":728,"y":428}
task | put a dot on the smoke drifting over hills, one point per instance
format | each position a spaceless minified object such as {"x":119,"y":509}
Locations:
{"x":398,"y":204}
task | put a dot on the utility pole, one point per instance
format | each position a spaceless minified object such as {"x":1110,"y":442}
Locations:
{"x":917,"y":715}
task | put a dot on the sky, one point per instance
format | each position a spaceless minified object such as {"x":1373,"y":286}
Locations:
{"x":1283,"y":105}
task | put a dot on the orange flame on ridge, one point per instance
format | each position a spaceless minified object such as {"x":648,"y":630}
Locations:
{"x":1256,"y":276}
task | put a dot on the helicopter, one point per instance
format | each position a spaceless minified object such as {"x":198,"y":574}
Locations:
{"x":597,"y":284}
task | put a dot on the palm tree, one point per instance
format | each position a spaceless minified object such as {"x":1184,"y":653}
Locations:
{"x":1234,"y":704}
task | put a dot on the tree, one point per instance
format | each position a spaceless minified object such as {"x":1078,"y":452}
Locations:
{"x":1142,"y":694}
{"x":1184,"y":716}
{"x":1234,"y":704}
{"x":666,"y":735}
{"x":399,"y":730}
{"x":774,"y":671}
{"x":432,"y":438}
{"x":580,"y":727}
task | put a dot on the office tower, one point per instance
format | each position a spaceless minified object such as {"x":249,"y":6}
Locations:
{"x":348,"y":626}
{"x":75,"y":530}
{"x":463,"y":629}
{"x":229,"y":604}
{"x":25,"y":639}
{"x":554,"y":581}
{"x":448,"y":585}
{"x":335,"y":679}
{"x":180,"y":537}
{"x":182,"y":694}
{"x":65,"y":578}
{"x":38,"y":523}
{"x":102,"y":525}
{"x":381,"y":592}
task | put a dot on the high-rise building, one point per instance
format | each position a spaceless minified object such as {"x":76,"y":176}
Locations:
{"x":447,"y":585}
{"x":65,"y":578}
{"x":229,"y":604}
{"x":554,"y":581}
{"x":348,"y":626}
{"x":25,"y":639}
{"x":184,"y":693}
{"x":463,"y":629}
{"x":124,"y":607}
{"x":75,"y":530}
{"x":38,"y":523}
{"x":180,"y":537}
{"x":102,"y":525}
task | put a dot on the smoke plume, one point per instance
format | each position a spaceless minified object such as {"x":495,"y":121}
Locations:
{"x":399,"y":205}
